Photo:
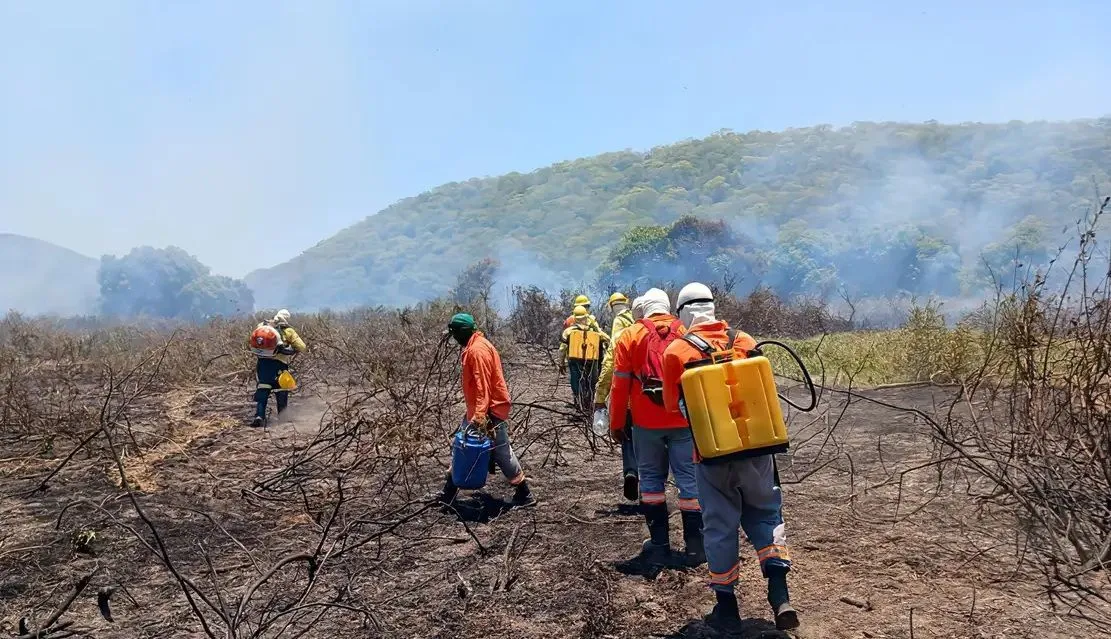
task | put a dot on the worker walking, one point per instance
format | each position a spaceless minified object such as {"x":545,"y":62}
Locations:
{"x":581,"y":347}
{"x":662,"y":440}
{"x":622,"y":319}
{"x":487,"y":398}
{"x":736,"y":491}
{"x":274,"y":343}
{"x":584,"y":302}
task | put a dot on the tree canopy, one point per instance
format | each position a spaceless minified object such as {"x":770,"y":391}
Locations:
{"x":874,"y":207}
{"x":167,"y":283}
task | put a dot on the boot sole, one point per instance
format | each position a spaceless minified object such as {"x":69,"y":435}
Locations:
{"x":632,"y":488}
{"x":787,"y":620}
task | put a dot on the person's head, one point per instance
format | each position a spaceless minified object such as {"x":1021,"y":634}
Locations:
{"x":281,"y":317}
{"x":583,"y":301}
{"x":618,"y":303}
{"x":695,"y":304}
{"x":637,"y":308}
{"x":654,"y":302}
{"x":461,"y":328}
{"x":581,"y":315}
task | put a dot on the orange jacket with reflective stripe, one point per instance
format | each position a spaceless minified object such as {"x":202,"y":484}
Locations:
{"x":629,"y":355}
{"x":484,"y":385}
{"x":681,"y":352}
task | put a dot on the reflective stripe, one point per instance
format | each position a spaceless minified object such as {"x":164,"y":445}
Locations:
{"x":726,"y":578}
{"x":622,"y":375}
{"x":264,"y":387}
{"x":518,"y":480}
{"x":653,"y":498}
{"x":690,"y":505}
{"x":773,"y":552}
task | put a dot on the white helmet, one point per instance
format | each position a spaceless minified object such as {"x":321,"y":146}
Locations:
{"x":693,"y":292}
{"x":655,"y":302}
{"x":282,"y":316}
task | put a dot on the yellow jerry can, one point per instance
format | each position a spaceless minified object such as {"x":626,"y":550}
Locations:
{"x":733,"y":408}
{"x":584,"y":344}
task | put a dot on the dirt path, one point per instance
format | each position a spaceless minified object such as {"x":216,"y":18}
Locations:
{"x":557,"y":570}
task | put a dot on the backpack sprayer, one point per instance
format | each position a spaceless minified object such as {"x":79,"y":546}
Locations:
{"x":733,"y":404}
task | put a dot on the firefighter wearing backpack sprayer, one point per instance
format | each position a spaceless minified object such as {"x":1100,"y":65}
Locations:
{"x":661,"y":439}
{"x":273,"y":342}
{"x":582,"y":346}
{"x":735,"y":491}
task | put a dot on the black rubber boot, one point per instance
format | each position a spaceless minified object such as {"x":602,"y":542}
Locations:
{"x":631,"y":487}
{"x":726,"y":615}
{"x":523,"y":496}
{"x":257,"y":422}
{"x":657,"y":548}
{"x":694,"y":552}
{"x":450,"y":490}
{"x":780,"y":600}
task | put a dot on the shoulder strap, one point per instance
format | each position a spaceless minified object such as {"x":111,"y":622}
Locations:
{"x":699,"y":343}
{"x":732,"y":335}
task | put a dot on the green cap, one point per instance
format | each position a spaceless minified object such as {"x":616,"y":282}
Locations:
{"x":461,"y":320}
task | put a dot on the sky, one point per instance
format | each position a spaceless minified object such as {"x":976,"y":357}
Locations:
{"x":246,"y":132}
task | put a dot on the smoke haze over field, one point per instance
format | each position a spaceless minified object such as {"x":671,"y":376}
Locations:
{"x":247,"y":132}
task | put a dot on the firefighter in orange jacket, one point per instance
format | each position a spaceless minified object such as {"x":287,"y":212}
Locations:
{"x":734,"y":491}
{"x":662,"y":440}
{"x":488,"y":404}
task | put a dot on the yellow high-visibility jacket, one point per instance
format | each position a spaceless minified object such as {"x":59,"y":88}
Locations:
{"x":621,"y":321}
{"x":565,"y":340}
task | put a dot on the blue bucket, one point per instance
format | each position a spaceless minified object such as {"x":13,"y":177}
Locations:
{"x":470,"y":459}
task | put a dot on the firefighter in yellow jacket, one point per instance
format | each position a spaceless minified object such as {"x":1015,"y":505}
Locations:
{"x":581,"y":347}
{"x":622,"y":319}
{"x":270,"y":365}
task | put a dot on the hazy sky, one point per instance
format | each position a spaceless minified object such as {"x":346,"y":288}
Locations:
{"x":246,"y":132}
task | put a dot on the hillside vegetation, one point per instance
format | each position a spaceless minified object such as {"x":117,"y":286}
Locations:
{"x":875,"y":207}
{"x":43,"y":278}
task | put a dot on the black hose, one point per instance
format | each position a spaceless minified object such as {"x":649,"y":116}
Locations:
{"x":805,"y":376}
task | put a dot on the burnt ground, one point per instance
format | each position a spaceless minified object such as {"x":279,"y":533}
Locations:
{"x":880,"y":551}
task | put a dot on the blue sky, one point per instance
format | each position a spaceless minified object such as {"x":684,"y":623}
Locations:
{"x":245,"y":132}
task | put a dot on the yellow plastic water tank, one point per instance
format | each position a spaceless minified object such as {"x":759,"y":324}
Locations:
{"x":584,"y":344}
{"x":733,"y":408}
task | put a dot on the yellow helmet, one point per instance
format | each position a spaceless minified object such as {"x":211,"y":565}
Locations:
{"x":582,"y":300}
{"x":618,"y":298}
{"x":580,"y":311}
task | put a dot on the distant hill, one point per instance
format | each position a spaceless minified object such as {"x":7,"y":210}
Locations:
{"x":957,"y":188}
{"x":38,"y":277}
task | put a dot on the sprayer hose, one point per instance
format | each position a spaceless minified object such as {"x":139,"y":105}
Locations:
{"x":805,"y":376}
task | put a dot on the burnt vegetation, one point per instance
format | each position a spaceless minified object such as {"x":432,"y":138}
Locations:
{"x":139,"y":505}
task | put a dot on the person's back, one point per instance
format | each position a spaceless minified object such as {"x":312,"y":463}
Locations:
{"x":484,"y":387}
{"x":630,"y":362}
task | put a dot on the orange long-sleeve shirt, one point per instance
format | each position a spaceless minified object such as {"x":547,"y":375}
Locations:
{"x":628,"y":357}
{"x":681,"y":352}
{"x":484,"y":386}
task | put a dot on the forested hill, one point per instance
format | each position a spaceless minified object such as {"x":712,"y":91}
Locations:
{"x":43,"y":278}
{"x":819,"y":191}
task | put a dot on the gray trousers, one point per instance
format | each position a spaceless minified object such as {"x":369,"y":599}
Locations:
{"x":503,"y":455}
{"x":741,"y":494}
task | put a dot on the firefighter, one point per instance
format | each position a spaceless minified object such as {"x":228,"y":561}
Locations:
{"x":622,"y":319}
{"x":735,"y":492}
{"x":584,"y":302}
{"x":270,"y":366}
{"x":662,"y":440}
{"x":582,"y":345}
{"x":487,"y":398}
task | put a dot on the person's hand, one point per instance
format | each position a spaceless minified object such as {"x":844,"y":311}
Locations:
{"x":563,"y":369}
{"x":617,"y":436}
{"x":286,"y":350}
{"x":481,"y":423}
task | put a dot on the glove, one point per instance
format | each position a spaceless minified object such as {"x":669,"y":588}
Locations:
{"x":563,"y":369}
{"x":618,"y":435}
{"x":756,"y":352}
